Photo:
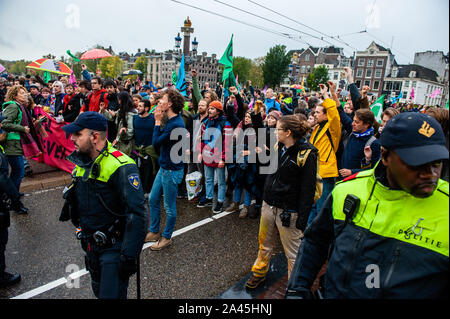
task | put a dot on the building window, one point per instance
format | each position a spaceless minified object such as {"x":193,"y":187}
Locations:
{"x":358,"y":84}
{"x":378,"y":73}
{"x":370,"y":63}
{"x":406,"y":84}
{"x":367,"y":82}
{"x":359,"y":73}
{"x":335,"y":75}
{"x":405,"y":94}
{"x":308,"y":68}
{"x":394,"y":72}
{"x":361,"y":62}
{"x":368,"y":73}
{"x":414,"y":83}
{"x":380,"y":62}
{"x":376,"y":85}
{"x":303,"y":69}
{"x":307,"y":57}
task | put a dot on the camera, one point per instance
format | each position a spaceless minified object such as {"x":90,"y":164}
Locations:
{"x":285,"y":218}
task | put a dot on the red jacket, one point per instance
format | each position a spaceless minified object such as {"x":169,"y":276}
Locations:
{"x":213,"y":152}
{"x":93,"y":101}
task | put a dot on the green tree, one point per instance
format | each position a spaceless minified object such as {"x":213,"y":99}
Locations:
{"x":141,"y":64}
{"x":111,"y":67}
{"x":276,"y":65}
{"x":318,"y":76}
{"x":241,"y":68}
{"x":256,"y":73}
{"x":18,"y":67}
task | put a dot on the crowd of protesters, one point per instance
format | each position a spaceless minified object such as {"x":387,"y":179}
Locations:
{"x":317,"y":139}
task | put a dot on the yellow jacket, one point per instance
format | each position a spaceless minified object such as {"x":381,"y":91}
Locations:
{"x":327,"y":151}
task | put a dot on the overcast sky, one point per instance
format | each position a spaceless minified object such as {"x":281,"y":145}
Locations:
{"x":30,"y":29}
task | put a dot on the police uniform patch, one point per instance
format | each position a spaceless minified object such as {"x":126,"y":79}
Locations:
{"x":134,"y":180}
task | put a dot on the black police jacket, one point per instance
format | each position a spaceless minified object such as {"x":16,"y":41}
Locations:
{"x":292,"y":186}
{"x":109,"y":188}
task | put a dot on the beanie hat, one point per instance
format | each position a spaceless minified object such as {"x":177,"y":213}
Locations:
{"x":275,"y":114}
{"x":217,"y":105}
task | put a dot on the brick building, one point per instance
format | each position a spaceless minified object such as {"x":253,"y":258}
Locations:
{"x":371,"y":66}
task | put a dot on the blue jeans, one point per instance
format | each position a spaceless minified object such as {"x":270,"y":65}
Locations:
{"x":328,"y":185}
{"x":166,"y":182}
{"x":238,"y":194}
{"x":17,"y":169}
{"x":209,"y":181}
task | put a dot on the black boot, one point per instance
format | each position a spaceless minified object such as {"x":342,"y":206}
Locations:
{"x":7,"y":279}
{"x":254,"y":211}
{"x":19,"y":208}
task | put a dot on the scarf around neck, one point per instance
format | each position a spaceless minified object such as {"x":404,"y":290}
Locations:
{"x":363,"y":134}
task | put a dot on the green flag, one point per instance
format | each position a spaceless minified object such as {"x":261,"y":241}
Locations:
{"x":227,"y":57}
{"x":377,"y":108}
{"x":174,"y":78}
{"x":447,"y":104}
{"x":226,"y":73}
{"x":47,"y":77}
{"x":230,"y":79}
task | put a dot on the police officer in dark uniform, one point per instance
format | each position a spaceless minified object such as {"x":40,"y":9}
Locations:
{"x":8,"y":195}
{"x":105,"y":201}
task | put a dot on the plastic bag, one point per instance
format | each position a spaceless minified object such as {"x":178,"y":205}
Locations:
{"x":193,"y":184}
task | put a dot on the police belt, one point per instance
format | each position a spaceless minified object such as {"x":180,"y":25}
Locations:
{"x":103,"y":238}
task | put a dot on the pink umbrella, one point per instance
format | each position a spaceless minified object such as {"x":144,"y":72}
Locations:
{"x":2,"y":68}
{"x":95,"y":54}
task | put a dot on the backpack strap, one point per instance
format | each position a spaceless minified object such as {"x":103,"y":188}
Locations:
{"x":302,"y":156}
{"x":89,"y":97}
{"x":370,"y":141}
{"x":331,"y":140}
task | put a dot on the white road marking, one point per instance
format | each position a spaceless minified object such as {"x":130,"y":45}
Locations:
{"x":82,"y":272}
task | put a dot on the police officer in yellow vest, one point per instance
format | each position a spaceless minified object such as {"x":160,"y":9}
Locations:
{"x":106,"y":202}
{"x":385,"y":231}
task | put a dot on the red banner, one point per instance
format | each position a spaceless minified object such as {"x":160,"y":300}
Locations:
{"x":57,"y":145}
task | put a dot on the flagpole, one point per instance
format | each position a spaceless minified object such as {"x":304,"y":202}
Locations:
{"x":223,"y":93}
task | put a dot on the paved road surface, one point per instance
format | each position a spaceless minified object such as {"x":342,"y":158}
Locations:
{"x":209,"y":254}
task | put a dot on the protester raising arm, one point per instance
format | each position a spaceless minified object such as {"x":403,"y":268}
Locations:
{"x":251,"y":88}
{"x":195,"y":89}
{"x":354,"y":92}
{"x":332,"y":115}
{"x":364,"y":101}
{"x":232,"y":116}
{"x":346,"y":120}
{"x":240,"y":103}
{"x":85,"y":73}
